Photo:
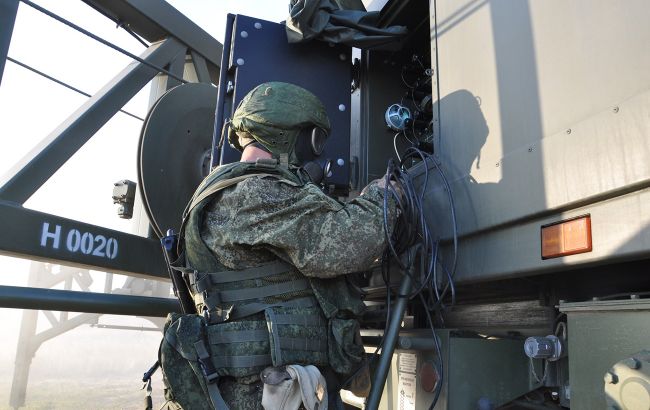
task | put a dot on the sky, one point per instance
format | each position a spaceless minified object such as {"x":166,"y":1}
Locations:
{"x":31,"y":108}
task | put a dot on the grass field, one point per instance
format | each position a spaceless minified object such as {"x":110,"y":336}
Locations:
{"x":86,"y":395}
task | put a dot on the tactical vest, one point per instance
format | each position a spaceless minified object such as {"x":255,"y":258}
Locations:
{"x":270,"y":315}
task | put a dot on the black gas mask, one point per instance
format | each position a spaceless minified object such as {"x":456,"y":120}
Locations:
{"x":309,"y":146}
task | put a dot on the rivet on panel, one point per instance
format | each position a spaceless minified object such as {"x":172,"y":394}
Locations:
{"x":568,"y":131}
{"x":530,"y":149}
{"x":497,"y":164}
{"x":341,"y":107}
{"x":243,"y":34}
{"x":240,"y":61}
{"x":258,"y":25}
{"x":615,"y":109}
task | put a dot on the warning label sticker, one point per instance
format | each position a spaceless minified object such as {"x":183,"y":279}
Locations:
{"x":406,"y":392}
{"x":408,"y":362}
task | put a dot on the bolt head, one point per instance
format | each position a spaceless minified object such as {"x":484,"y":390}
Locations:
{"x":632,"y":363}
{"x":611,"y":378}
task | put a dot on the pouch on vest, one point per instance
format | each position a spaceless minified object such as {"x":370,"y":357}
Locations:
{"x":297,"y":335}
{"x":183,"y":380}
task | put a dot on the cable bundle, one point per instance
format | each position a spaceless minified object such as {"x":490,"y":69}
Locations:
{"x":412,"y":237}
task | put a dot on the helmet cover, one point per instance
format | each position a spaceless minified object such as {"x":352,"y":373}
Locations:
{"x":273,"y":114}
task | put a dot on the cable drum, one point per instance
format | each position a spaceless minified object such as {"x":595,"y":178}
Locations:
{"x":397,"y":117}
{"x":173,"y":153}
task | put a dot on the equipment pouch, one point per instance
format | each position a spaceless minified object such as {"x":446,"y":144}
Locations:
{"x":345,"y":348}
{"x":297,"y":335}
{"x":183,"y":380}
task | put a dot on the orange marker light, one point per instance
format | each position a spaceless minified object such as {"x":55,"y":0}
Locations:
{"x":566,"y":237}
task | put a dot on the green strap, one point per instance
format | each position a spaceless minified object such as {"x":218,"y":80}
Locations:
{"x":207,"y":280}
{"x":242,"y":311}
{"x":238,"y":295}
{"x":301,"y":320}
{"x":275,"y":336}
{"x":239,"y":336}
{"x":218,"y":186}
{"x":215,"y":397}
{"x":264,"y":291}
{"x":243,"y":361}
{"x":301,"y":343}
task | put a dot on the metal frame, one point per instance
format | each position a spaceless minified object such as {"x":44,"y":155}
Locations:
{"x":44,"y":237}
{"x":31,"y":172}
{"x":8,"y":11}
{"x":156,"y":21}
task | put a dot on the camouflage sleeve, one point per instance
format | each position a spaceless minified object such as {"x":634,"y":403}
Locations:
{"x":322,"y":237}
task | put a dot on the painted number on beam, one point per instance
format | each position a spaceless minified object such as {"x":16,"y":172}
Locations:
{"x":76,"y":241}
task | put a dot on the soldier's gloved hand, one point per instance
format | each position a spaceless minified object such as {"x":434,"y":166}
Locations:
{"x":381,"y":183}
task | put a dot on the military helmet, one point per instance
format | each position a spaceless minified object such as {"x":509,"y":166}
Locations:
{"x":275,"y":114}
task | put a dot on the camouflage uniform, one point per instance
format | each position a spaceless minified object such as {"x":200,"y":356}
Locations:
{"x":265,"y":254}
{"x":261,"y":219}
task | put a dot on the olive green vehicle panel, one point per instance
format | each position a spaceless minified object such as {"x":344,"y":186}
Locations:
{"x":602,"y":333}
{"x":543,"y":116}
{"x":492,"y":369}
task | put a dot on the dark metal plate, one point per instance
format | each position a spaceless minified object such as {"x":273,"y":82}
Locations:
{"x":259,"y":52}
{"x":174,"y":151}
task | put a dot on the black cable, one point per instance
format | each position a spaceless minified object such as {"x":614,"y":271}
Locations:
{"x":49,"y":77}
{"x":412,"y":232}
{"x":101,"y":40}
{"x":436,"y":342}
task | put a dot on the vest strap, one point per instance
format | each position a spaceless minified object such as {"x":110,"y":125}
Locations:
{"x":207,"y":280}
{"x":301,"y":320}
{"x":215,"y":397}
{"x":238,"y":295}
{"x":242,"y":311}
{"x":218,"y":186}
{"x":301,"y":343}
{"x":239,"y":336}
{"x":243,"y":361}
{"x":203,"y":354}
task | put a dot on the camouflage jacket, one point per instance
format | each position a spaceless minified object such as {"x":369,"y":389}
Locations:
{"x":260,"y":219}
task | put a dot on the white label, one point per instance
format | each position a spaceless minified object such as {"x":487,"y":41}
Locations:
{"x":406,"y":391}
{"x":79,"y":242}
{"x":408,"y":362}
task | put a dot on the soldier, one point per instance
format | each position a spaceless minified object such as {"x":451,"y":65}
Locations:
{"x":265,"y":254}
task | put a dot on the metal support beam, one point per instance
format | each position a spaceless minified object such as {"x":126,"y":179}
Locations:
{"x":46,"y":158}
{"x":8,"y":11}
{"x":49,"y":238}
{"x":155,"y":20}
{"x":72,"y":301}
{"x":176,"y":67}
{"x":201,"y":67}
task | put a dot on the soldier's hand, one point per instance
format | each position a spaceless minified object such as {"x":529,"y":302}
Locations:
{"x":381,"y":183}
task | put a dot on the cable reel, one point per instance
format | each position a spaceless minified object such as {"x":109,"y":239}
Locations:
{"x":397,"y":117}
{"x":174,"y":152}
